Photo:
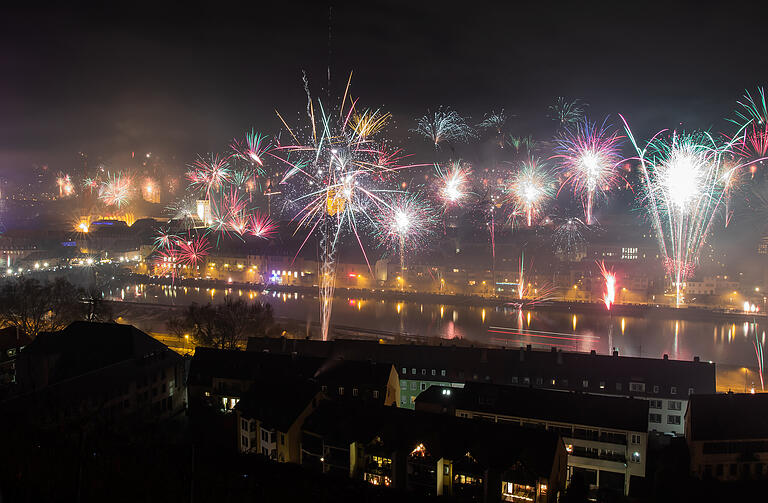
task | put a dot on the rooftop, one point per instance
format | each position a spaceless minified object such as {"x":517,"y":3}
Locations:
{"x":729,"y":416}
{"x":561,"y":406}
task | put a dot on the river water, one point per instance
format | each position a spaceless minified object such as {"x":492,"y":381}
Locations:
{"x":732,"y":342}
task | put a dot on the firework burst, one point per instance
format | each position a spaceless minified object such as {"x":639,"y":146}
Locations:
{"x":206,"y":175}
{"x":336,"y":179}
{"x":684,"y":177}
{"x":530,"y":188}
{"x":116,"y":190}
{"x":253,"y":151}
{"x":192,"y":250}
{"x":589,"y":155}
{"x":443,"y":126}
{"x":453,"y":183}
{"x":569,"y":234}
{"x":567,"y":112}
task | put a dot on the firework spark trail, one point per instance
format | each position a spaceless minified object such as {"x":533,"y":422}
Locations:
{"x":443,"y":126}
{"x":192,"y":250}
{"x":684,"y":178}
{"x":209,"y":174}
{"x":337,"y":182}
{"x":589,"y":155}
{"x":759,"y":353}
{"x":530,"y":188}
{"x":568,"y":235}
{"x":609,"y":296}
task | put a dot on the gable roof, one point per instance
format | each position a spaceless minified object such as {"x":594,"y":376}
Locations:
{"x":278,"y":404}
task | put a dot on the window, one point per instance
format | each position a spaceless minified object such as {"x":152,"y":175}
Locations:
{"x":423,"y":386}
{"x":673,"y":419}
{"x":675,"y":405}
{"x":354,"y":392}
{"x":414,"y":385}
{"x":635,"y":438}
{"x":244,"y":424}
{"x":673,"y":390}
{"x":526,"y":380}
{"x":690,"y":391}
{"x":413,"y":371}
{"x":434,"y":372}
{"x":654,"y":418}
{"x":375,"y":394}
{"x":341,"y":390}
{"x":602,"y":384}
{"x":323,"y":388}
{"x":585,"y":384}
{"x":442,"y":373}
{"x":638,"y":387}
{"x":539,"y":381}
{"x":618,"y":386}
{"x":264,"y":436}
{"x":635,"y":457}
{"x":405,"y":371}
{"x":719,"y":470}
{"x":655,"y":404}
{"x":403,"y":385}
{"x":446,"y":470}
{"x":514,"y":380}
{"x":245,"y":441}
{"x":655,"y":388}
{"x":423,"y":372}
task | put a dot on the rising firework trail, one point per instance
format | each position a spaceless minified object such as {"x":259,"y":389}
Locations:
{"x":589,"y":155}
{"x":684,"y":178}
{"x":336,"y":183}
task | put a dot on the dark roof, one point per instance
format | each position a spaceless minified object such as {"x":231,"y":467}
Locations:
{"x":506,"y":366}
{"x":730,"y":416}
{"x":278,"y":404}
{"x":550,"y":405}
{"x":9,"y":338}
{"x":208,"y":363}
{"x":395,"y":429}
{"x":84,"y":347}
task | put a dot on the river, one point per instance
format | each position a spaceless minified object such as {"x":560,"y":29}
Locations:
{"x":725,"y":341}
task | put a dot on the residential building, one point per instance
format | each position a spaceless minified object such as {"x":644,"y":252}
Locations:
{"x":270,"y":418}
{"x":605,"y":437}
{"x":220,"y":378}
{"x":666,"y":384}
{"x":435,"y":455}
{"x":102,"y":373}
{"x":727,"y":436}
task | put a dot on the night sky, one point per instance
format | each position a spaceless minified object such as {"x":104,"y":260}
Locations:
{"x":187,"y":79}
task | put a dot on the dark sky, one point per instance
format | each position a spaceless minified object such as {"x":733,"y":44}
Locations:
{"x":187,"y":78}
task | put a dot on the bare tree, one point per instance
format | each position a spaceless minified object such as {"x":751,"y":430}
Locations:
{"x":227,"y":325}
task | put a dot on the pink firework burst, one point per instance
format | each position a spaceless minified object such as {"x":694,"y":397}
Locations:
{"x":589,"y":156}
{"x":253,"y":149}
{"x":209,"y":174}
{"x":192,"y":251}
{"x":261,"y":226}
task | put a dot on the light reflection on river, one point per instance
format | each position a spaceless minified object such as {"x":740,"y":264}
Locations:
{"x":730,"y":343}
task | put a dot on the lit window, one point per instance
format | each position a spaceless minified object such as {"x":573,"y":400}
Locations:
{"x":585,"y":384}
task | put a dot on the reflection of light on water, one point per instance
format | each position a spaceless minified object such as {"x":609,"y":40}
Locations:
{"x":528,"y":319}
{"x":442,"y":309}
{"x":622,"y":326}
{"x":677,"y":329}
{"x":573,"y":322}
{"x":482,"y":315}
{"x":213,"y":291}
{"x":455,"y":316}
{"x":399,"y":307}
{"x":746,"y":328}
{"x":421,"y":308}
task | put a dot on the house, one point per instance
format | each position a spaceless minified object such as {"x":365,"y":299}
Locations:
{"x":605,"y":437}
{"x":270,"y":418}
{"x":98,"y":373}
{"x":666,"y":384}
{"x":727,"y":436}
{"x":434,"y":454}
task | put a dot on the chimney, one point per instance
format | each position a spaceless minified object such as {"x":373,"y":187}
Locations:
{"x":528,"y":348}
{"x":615,"y":352}
{"x":666,"y":357}
{"x":593,"y":352}
{"x":554,"y":349}
{"x":696,"y":359}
